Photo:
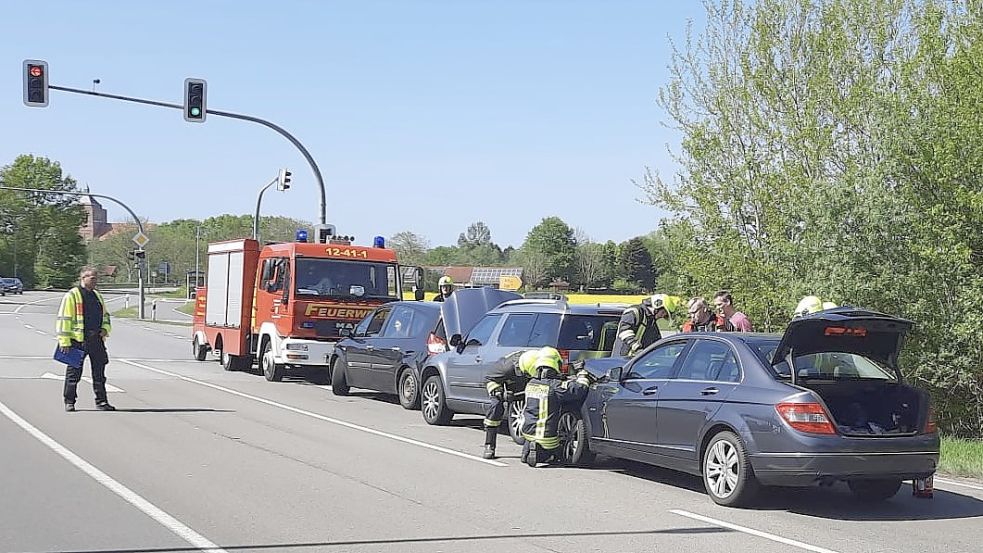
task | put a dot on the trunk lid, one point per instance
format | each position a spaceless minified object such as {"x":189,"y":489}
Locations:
{"x":873,"y":335}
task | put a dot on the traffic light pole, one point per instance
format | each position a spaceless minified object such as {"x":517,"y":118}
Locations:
{"x":265,"y":123}
{"x":110,"y":198}
{"x":259,"y":200}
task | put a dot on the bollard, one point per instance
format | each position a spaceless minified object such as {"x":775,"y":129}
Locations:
{"x":153,"y":310}
{"x":126,"y":302}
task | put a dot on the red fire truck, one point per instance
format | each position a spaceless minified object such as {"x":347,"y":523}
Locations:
{"x":287,"y":304}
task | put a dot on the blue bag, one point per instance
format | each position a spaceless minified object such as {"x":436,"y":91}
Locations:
{"x":73,"y":358}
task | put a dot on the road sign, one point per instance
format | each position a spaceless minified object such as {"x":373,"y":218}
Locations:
{"x":509,"y":282}
{"x":140,"y":239}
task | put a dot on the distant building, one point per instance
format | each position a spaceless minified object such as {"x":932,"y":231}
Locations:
{"x":95,"y":219}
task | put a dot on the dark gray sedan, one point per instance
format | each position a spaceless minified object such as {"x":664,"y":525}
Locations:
{"x":822,"y":403}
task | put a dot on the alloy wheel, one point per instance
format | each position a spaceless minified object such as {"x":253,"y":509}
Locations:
{"x":431,"y":400}
{"x":721,"y":469}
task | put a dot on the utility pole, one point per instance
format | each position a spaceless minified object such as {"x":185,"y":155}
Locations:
{"x":140,"y":238}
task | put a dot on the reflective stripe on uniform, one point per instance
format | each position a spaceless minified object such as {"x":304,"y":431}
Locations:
{"x":625,"y":334}
{"x":491,"y":423}
{"x":492,"y":386}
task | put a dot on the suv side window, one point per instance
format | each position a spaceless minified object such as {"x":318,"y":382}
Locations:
{"x":658,"y":363}
{"x":546,"y":331}
{"x":710,"y":360}
{"x":482,"y":331}
{"x":516,"y":330}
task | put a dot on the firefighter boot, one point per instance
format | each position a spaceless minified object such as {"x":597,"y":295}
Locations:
{"x":491,"y":434}
{"x":532,"y":457}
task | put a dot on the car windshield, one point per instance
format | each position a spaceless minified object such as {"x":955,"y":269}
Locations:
{"x":346,"y":279}
{"x":829,"y":365}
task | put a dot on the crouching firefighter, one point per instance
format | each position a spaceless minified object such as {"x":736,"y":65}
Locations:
{"x":548,"y":393}
{"x":510,"y":373}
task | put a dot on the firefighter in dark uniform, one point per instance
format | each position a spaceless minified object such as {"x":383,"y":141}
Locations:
{"x":547,"y":394}
{"x":509,"y":372}
{"x":638,"y":327}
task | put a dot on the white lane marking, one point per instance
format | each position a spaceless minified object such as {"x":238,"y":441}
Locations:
{"x":317,"y":416}
{"x":131,"y":497}
{"x":35,"y":302}
{"x":954,"y":483}
{"x":751,"y":531}
{"x":42,"y":333}
{"x":109,"y":387}
{"x":28,"y":326}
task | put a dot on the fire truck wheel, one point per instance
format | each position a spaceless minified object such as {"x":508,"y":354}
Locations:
{"x":200,"y":351}
{"x":339,"y":384}
{"x":271,"y":371}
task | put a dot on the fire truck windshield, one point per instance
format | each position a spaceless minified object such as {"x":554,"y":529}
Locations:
{"x":346,"y":279}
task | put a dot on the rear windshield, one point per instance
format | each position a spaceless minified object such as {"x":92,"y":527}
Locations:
{"x":823,"y":366}
{"x":570,"y":332}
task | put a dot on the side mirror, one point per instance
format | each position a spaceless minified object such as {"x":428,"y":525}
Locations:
{"x":418,"y":294}
{"x":455,"y":340}
{"x":615,"y":373}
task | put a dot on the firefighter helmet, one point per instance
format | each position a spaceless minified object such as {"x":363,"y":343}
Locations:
{"x":829,"y":305}
{"x":665,"y":301}
{"x":547,"y":362}
{"x":808,"y":305}
{"x":445,"y":281}
{"x":527,"y":362}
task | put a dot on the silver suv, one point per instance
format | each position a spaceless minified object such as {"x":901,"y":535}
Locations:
{"x":454,"y":382}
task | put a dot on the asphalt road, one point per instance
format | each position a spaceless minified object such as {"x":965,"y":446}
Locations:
{"x":197,"y":458}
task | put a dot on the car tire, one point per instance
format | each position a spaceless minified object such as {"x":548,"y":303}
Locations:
{"x":874,"y":490}
{"x":199,"y":350}
{"x":727,"y":473}
{"x":408,"y":389}
{"x":272,"y":370}
{"x":339,"y":383}
{"x":433,"y":403}
{"x":515,"y":418}
{"x":574,"y":447}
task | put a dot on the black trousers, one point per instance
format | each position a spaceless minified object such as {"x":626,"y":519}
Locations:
{"x":494,"y":413}
{"x":95,"y":350}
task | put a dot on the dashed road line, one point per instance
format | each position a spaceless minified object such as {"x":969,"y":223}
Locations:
{"x":318,"y":416}
{"x":751,"y":531}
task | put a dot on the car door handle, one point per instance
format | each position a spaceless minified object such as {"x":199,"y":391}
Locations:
{"x":477,"y":359}
{"x":649,"y":391}
{"x":370,"y":348}
{"x":709,"y":391}
{"x":396,"y":348}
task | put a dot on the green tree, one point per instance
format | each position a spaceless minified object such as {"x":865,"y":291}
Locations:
{"x":636,"y":262}
{"x":833,"y":147}
{"x":41,"y":228}
{"x":553,"y":241}
{"x":411,"y":248}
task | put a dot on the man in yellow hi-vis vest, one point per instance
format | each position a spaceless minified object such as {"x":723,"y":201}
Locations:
{"x":83,"y":323}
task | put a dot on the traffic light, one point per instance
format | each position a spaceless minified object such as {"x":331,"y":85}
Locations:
{"x":35,"y":83}
{"x":283,"y":180}
{"x":137,"y":257}
{"x":195,"y":92}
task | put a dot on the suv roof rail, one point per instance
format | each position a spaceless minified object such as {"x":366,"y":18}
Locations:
{"x":525,"y":301}
{"x":613,"y":305}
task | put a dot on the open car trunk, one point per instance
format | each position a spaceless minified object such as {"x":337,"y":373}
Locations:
{"x":872,"y":408}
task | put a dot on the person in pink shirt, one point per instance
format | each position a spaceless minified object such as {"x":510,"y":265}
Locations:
{"x":724,"y":303}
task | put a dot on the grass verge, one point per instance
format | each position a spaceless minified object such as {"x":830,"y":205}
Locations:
{"x":188,"y":308}
{"x":126,"y":313}
{"x":962,"y":457}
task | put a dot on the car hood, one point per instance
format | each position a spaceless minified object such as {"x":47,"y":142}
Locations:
{"x":466,"y":306}
{"x":876,"y":336}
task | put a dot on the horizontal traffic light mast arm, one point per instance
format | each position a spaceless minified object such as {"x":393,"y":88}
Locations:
{"x":70,"y":193}
{"x":265,"y":123}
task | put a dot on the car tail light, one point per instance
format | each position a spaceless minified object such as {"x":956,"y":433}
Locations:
{"x":565,"y":363}
{"x":931,"y":426}
{"x":436,"y":344}
{"x":806,"y":417}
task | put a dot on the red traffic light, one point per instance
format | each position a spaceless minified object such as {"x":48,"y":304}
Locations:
{"x":36,"y":71}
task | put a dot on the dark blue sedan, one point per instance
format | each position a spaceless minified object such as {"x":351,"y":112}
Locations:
{"x":822,"y":403}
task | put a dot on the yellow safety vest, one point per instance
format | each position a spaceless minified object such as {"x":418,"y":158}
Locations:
{"x":71,"y":319}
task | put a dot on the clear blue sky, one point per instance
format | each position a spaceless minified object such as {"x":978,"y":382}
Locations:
{"x":423,"y":115}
